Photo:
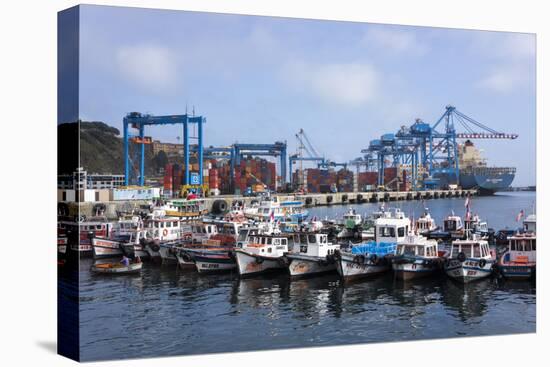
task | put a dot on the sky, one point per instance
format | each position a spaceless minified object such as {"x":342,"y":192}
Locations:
{"x":262,"y":79}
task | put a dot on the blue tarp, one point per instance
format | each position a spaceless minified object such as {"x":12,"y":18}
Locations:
{"x":379,"y":249}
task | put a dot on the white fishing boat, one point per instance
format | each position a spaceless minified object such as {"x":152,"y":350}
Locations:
{"x":277,"y":208}
{"x":78,"y":235}
{"x":163,"y":234}
{"x":374,"y":257}
{"x":311,"y":254}
{"x":127,"y":231}
{"x":262,"y":253}
{"x":470,"y":259}
{"x":417,"y":257}
{"x":520,"y":259}
{"x":425,"y":224}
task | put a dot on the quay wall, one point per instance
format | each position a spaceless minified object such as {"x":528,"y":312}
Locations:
{"x":310,"y":200}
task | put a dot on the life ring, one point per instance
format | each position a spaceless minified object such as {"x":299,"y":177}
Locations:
{"x":164,"y":232}
{"x":482,"y":263}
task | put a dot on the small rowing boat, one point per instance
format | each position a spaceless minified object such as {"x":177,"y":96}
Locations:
{"x":117,"y":268}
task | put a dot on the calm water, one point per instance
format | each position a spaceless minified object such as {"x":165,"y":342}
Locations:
{"x":165,"y":311}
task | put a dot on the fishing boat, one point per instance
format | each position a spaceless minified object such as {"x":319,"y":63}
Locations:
{"x":425,"y":224}
{"x":520,"y":259}
{"x":417,"y":257}
{"x":200,"y":231}
{"x":62,"y":246}
{"x":186,"y":210}
{"x":452,"y":229}
{"x":277,"y":208}
{"x":127,"y":231}
{"x":352,"y":219}
{"x":374,"y":257}
{"x":78,"y":235}
{"x":163,"y":234}
{"x":262,"y":253}
{"x":311,"y":254}
{"x":117,"y":268}
{"x":470,"y":259}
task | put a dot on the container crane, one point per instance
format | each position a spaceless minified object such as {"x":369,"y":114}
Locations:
{"x":304,"y":144}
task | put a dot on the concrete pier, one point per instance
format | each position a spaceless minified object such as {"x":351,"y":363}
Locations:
{"x":311,"y":200}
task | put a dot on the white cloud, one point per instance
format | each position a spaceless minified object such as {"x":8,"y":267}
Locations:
{"x":351,"y":84}
{"x":504,"y":79}
{"x":150,"y":67}
{"x":394,"y":40}
{"x":508,"y":47}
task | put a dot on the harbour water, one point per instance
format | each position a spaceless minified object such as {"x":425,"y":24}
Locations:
{"x":164,"y":311}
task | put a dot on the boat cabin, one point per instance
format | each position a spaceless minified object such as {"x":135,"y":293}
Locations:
{"x":453,"y":223}
{"x":186,"y":209}
{"x":86,"y":229}
{"x":352,"y":219}
{"x":313,"y":244}
{"x":267,"y":245}
{"x":475,"y":225}
{"x":202,"y":231}
{"x":417,"y":246}
{"x":530,"y":223}
{"x":476,"y":249}
{"x":425,"y":223}
{"x":391,"y":228}
{"x":164,"y":229}
{"x":522,"y":248}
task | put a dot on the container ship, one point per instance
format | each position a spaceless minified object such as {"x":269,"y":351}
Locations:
{"x":475,"y":174}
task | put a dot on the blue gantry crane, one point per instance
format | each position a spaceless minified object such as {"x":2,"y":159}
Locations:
{"x":139,"y":121}
{"x":434,"y":149}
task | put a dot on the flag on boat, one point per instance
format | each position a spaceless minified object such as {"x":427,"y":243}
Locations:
{"x":520,"y":215}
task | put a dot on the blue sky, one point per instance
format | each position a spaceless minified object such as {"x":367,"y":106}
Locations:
{"x":261,"y":79}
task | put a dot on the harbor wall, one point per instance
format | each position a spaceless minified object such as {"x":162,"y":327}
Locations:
{"x":112,"y":207}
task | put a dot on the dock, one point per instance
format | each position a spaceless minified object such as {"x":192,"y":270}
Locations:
{"x":214,"y":203}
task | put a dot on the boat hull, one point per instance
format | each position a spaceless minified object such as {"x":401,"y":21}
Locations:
{"x":517,"y":272}
{"x":117,"y":270}
{"x":250,"y":264}
{"x":350,"y":267}
{"x":214,"y":264}
{"x":469,"y":270}
{"x":302,"y":265}
{"x":488,"y":180}
{"x":414,"y":270}
{"x":103,"y":247}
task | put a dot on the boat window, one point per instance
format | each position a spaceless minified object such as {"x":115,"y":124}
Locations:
{"x":276,"y":241}
{"x":324,"y":239}
{"x":512,"y":245}
{"x":455,"y":249}
{"x":269,"y":241}
{"x":534,"y":245}
{"x":477,"y":251}
{"x":269,"y":249}
{"x":311,"y":238}
{"x":303,"y":239}
{"x":467,"y":249}
{"x":386,"y":232}
{"x":409,"y":250}
{"x":420,"y":250}
{"x":283,"y":241}
{"x":401,"y":232}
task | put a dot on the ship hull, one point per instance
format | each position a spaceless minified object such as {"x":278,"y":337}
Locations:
{"x":487,"y":181}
